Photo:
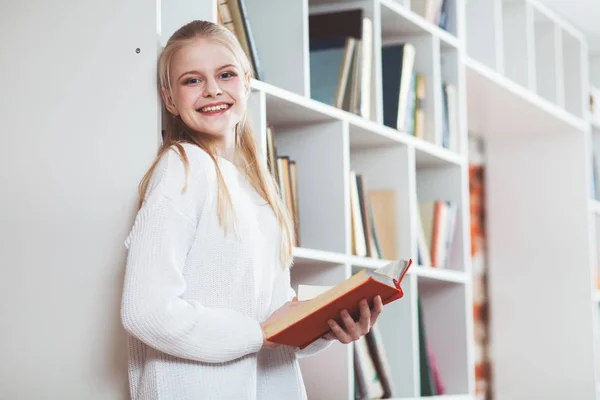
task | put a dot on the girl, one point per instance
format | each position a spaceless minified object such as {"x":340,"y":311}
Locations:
{"x":211,"y":245}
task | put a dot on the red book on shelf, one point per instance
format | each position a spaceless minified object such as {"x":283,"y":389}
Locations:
{"x":308,"y":322}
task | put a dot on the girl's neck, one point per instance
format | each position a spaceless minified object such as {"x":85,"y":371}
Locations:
{"x":226,"y":148}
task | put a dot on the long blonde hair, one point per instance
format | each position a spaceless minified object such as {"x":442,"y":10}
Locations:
{"x":176,"y":132}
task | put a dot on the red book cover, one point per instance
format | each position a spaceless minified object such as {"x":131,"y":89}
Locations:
{"x":309,"y":322}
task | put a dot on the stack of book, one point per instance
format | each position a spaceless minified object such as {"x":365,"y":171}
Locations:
{"x":284,"y":171}
{"x":436,"y":233}
{"x":341,"y":54}
{"x":405,"y":96}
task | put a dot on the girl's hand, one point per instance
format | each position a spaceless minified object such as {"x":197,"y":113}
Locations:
{"x":284,"y":309}
{"x":354,"y":330}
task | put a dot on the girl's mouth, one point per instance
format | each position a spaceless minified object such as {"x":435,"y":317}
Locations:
{"x":214,"y":108}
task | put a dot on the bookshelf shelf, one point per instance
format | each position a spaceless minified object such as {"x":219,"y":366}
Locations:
{"x":304,"y":256}
{"x":436,"y":276}
{"x":289,"y":108}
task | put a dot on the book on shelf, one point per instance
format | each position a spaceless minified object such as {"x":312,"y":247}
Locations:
{"x":378,"y":355}
{"x":368,"y":382}
{"x":309,"y":321}
{"x":398,"y":73}
{"x":285,"y":174}
{"x":405,"y":98}
{"x":437,"y":224}
{"x":450,"y":128}
{"x":233,"y":14}
{"x":372,"y":219}
{"x":341,"y":54}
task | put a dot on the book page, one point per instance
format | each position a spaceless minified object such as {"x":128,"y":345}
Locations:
{"x":308,"y":292}
{"x":394,"y":269}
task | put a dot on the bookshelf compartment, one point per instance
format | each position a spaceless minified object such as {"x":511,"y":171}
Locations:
{"x":342,"y":59}
{"x":326,"y":374}
{"x":443,"y":319}
{"x":484,"y":32}
{"x":399,"y":20}
{"x":450,"y":126}
{"x":443,"y":17}
{"x":382,"y":174}
{"x":396,"y":328}
{"x":439,"y":231}
{"x":319,"y":151}
{"x":572,"y":58}
{"x":549,"y":78}
{"x":410,"y":70}
{"x":282,"y":57}
{"x":517,"y":41}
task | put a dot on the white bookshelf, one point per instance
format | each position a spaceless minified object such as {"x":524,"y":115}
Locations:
{"x":327,"y":143}
{"x":527,"y":82}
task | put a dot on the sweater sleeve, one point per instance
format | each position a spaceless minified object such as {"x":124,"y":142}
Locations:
{"x":152,"y":307}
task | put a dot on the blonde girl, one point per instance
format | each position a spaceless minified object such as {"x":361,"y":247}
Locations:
{"x":210,"y":249}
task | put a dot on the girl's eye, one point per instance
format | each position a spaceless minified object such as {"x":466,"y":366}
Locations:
{"x":192,"y":81}
{"x":226,"y":75}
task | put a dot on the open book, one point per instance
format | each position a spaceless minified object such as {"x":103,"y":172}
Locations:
{"x":309,"y":321}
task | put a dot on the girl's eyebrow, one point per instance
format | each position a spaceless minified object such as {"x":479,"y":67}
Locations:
{"x":227,"y":66}
{"x":198,"y":73}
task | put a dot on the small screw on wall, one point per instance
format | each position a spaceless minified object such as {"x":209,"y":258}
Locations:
{"x":138,"y":50}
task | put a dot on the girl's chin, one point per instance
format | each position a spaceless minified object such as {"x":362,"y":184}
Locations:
{"x":215,"y":129}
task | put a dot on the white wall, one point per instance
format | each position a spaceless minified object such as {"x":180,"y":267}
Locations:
{"x":78,"y":115}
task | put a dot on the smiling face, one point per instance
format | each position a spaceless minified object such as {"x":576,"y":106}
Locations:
{"x":209,"y":88}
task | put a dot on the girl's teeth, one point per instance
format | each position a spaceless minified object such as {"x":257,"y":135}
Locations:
{"x":215,"y":108}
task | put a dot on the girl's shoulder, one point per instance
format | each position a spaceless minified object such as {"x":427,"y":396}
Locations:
{"x":183,"y":170}
{"x":184,"y":158}
{"x":183,"y":152}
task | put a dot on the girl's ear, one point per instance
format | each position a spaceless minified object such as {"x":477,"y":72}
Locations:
{"x":168,"y":102}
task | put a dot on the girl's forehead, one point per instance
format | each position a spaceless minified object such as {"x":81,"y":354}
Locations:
{"x":203,"y":54}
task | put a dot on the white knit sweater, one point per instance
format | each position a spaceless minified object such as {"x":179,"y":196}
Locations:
{"x":194,"y":297}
